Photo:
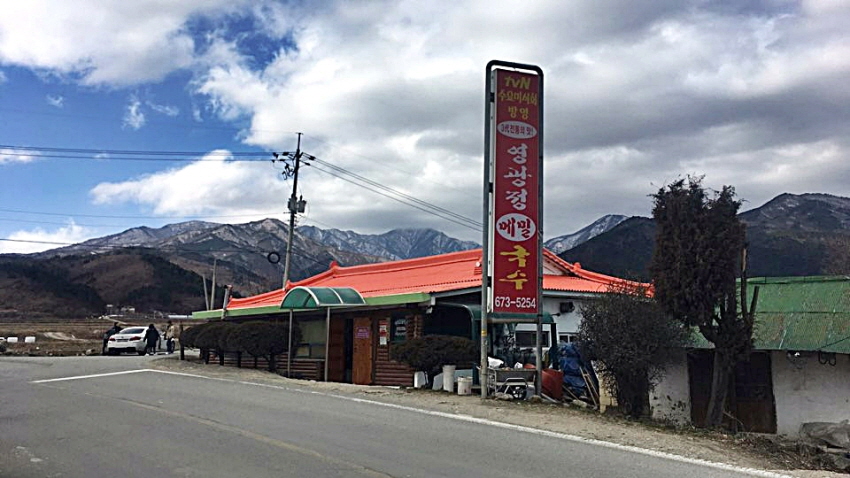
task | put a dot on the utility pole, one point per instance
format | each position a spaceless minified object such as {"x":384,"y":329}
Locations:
{"x":293,"y":209}
{"x":295,"y":204}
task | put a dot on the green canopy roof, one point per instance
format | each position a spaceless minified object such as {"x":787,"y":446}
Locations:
{"x":320,"y":297}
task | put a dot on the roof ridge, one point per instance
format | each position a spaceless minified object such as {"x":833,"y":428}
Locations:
{"x":412,"y":263}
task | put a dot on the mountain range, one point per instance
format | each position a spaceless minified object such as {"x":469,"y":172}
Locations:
{"x":790,"y":235}
{"x":170,"y":268}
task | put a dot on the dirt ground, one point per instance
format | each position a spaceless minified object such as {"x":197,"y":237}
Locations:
{"x":743,"y":450}
{"x":751,"y":451}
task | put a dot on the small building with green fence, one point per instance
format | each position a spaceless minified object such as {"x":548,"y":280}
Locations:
{"x":799,"y":371}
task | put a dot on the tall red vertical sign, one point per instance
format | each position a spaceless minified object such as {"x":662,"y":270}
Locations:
{"x":515,"y":251}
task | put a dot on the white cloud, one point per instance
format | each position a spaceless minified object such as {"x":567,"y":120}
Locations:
{"x":37,"y":240}
{"x":134,"y":118}
{"x":637,"y":94}
{"x":103,"y":41}
{"x":56,"y":101}
{"x":3,"y":78}
{"x":196,"y":114}
{"x":635,"y":97}
{"x":8,"y":156}
{"x":207,"y":186}
{"x":167,"y":110}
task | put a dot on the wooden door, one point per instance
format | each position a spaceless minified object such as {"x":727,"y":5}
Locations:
{"x":361,"y":373}
{"x":754,"y":399}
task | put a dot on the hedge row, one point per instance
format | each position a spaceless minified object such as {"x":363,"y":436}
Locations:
{"x":257,"y":339}
{"x":431,"y":352}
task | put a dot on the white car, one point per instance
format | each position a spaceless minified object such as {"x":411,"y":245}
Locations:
{"x":130,"y":339}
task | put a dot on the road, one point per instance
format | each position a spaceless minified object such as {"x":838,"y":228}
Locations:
{"x":112,"y":416}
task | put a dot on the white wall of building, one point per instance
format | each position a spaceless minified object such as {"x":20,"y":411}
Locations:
{"x":671,"y":399}
{"x":567,"y":322}
{"x":807,"y":391}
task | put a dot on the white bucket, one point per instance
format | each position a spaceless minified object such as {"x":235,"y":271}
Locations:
{"x":420,"y":380}
{"x":464,"y":386}
{"x":449,"y":378}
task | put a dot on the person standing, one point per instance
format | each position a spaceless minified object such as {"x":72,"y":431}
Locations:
{"x":109,"y":333}
{"x":169,"y":338}
{"x":151,"y":338}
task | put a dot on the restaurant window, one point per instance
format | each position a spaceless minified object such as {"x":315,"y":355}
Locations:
{"x":398,"y":328}
{"x":527,"y":338}
{"x":568,"y":338}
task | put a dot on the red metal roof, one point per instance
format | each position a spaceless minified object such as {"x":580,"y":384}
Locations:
{"x":441,"y":273}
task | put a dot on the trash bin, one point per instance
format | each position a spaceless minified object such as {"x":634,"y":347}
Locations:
{"x":553,"y":381}
{"x":464,"y":386}
{"x":449,"y":378}
{"x":420,"y":380}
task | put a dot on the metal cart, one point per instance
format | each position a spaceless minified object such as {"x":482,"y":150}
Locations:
{"x":515,"y":382}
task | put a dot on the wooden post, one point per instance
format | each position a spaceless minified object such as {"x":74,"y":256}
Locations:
{"x":182,"y":348}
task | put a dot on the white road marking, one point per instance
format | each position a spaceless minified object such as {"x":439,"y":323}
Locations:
{"x":471,"y":419}
{"x":98,"y":375}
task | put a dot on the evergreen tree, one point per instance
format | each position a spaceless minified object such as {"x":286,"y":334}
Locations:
{"x":699,"y":251}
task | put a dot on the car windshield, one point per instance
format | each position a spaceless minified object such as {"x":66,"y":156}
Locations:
{"x":132,"y":330}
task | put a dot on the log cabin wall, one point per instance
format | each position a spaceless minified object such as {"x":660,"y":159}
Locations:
{"x":386,"y":370}
{"x":336,"y":350}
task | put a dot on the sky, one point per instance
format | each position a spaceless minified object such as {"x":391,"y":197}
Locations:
{"x":117,"y":114}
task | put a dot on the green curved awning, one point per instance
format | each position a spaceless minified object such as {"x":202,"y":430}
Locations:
{"x":320,"y":297}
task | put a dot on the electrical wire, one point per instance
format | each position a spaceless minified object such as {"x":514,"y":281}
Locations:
{"x":445,"y":213}
{"x":103,"y":216}
{"x":327,"y":167}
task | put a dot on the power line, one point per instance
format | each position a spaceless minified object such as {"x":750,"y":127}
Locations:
{"x":418,"y":204}
{"x":329,"y":168}
{"x":134,"y":155}
{"x":104,"y":216}
{"x":148,"y":122}
{"x":384,"y":164}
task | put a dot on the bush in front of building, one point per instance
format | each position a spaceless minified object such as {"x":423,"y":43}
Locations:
{"x":632,"y":341}
{"x":187,"y":337}
{"x":263,"y":339}
{"x":208,"y":338}
{"x":429,"y":354}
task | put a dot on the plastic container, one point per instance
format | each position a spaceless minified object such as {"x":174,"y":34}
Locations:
{"x":449,"y":378}
{"x":420,"y":380}
{"x":553,"y":381}
{"x":464,"y":386}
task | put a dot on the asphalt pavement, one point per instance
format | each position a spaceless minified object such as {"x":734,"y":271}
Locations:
{"x":113,"y":416}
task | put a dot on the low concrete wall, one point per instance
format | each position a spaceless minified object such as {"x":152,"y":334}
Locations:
{"x":670,"y":400}
{"x":807,"y":391}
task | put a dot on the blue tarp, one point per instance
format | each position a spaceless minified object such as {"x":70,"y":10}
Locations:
{"x":570,"y":361}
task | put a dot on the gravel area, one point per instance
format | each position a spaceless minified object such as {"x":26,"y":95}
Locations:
{"x":745,"y":451}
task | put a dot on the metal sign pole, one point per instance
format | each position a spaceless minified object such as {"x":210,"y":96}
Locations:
{"x":327,"y":341}
{"x":289,"y":349}
{"x":483,"y":375}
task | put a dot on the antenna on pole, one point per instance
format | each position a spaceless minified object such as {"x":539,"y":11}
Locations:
{"x":295,"y":204}
{"x":212,"y":292}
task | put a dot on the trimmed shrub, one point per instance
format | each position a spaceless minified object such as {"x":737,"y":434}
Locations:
{"x":264,"y":339}
{"x":208,"y":337}
{"x":224,"y":332}
{"x":230,"y":339}
{"x":187,"y":338}
{"x":431,"y":352}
